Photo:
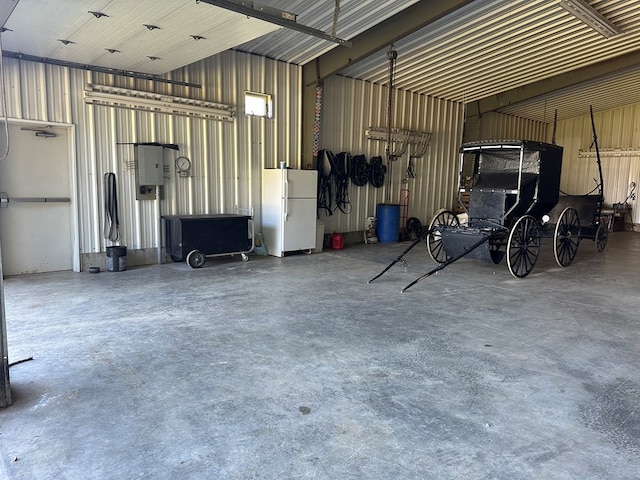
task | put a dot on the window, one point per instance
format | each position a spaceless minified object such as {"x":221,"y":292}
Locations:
{"x":258,"y":104}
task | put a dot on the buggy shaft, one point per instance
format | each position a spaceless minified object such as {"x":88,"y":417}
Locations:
{"x":449,"y":261}
{"x":401,"y":256}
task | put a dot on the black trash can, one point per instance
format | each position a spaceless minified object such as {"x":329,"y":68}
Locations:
{"x":116,"y":259}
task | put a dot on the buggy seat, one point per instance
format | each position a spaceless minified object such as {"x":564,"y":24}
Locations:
{"x":494,"y":193}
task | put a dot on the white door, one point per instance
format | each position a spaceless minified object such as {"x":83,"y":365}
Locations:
{"x":36,"y":236}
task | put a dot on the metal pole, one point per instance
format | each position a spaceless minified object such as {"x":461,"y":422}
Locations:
{"x":392,"y":55}
{"x":159,"y":226}
{"x":598,"y":212}
{"x":5,"y":386}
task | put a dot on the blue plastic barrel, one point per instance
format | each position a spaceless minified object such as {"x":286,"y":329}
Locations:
{"x":388,"y":228}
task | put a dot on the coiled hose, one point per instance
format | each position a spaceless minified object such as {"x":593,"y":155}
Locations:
{"x":111,"y":220}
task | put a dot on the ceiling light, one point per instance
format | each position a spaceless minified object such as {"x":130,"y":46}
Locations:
{"x":98,"y":14}
{"x":589,"y":15}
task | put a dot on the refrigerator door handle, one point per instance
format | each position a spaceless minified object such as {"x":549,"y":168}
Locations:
{"x":286,"y":195}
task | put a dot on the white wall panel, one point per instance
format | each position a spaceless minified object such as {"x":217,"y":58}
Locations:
{"x":227,"y":158}
{"x":350,"y":106}
{"x":618,"y":133}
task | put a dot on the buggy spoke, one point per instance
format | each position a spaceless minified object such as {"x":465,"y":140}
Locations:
{"x":523,"y":246}
{"x":602,"y":235}
{"x":444,"y":218}
{"x":566,"y":237}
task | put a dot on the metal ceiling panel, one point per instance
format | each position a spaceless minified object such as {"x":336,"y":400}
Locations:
{"x":36,"y":27}
{"x":477,"y":52}
{"x":354,"y":17}
{"x":6,"y":8}
{"x":604,"y":93}
{"x":491,"y":46}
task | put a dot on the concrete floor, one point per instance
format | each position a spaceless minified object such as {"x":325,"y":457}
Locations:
{"x":297,"y":368}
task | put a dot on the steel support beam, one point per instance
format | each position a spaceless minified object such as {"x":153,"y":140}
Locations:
{"x":99,"y":69}
{"x":5,"y":386}
{"x":476,"y":109}
{"x":275,"y":16}
{"x":6,"y":9}
{"x":411,"y":19}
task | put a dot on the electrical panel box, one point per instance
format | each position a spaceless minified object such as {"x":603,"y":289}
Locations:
{"x":150,"y":160}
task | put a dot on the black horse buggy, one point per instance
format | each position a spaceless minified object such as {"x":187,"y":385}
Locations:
{"x":514,"y":200}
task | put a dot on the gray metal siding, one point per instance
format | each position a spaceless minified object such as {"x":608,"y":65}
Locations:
{"x":350,"y":106}
{"x":227,"y":158}
{"x":497,"y":126}
{"x":618,"y":133}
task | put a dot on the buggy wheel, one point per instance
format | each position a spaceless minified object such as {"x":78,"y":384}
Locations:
{"x":602,"y":235}
{"x":566,"y":237}
{"x":176,"y":258}
{"x":414,"y":228}
{"x":523,"y":246}
{"x":496,"y":249}
{"x":435,"y":248}
{"x":196,"y":259}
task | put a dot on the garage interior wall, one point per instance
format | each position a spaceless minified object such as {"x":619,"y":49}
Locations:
{"x":618,"y":132}
{"x":227,"y":158}
{"x":499,"y":126}
{"x":350,"y":106}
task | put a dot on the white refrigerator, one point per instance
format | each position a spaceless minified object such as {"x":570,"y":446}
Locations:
{"x":289,"y":210}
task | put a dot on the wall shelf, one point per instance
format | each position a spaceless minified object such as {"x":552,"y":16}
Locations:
{"x":401,"y":139}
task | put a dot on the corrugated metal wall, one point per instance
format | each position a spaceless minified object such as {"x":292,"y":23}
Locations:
{"x":227,"y":158}
{"x":618,"y":133}
{"x":498,"y":126}
{"x":350,"y":106}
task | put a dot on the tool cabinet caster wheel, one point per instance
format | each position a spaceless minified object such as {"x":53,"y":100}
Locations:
{"x":245,"y":257}
{"x":196,"y":259}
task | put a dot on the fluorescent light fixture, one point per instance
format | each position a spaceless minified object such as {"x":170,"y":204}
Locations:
{"x":156,"y":103}
{"x":589,"y":15}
